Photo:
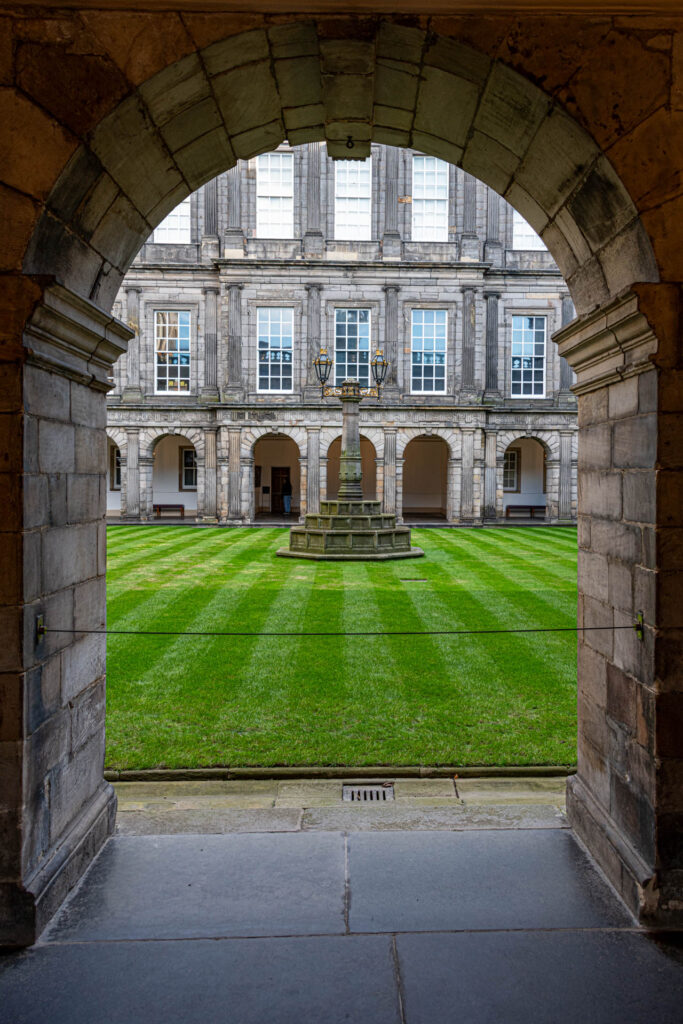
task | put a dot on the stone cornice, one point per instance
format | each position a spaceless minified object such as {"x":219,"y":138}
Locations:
{"x":614,"y":342}
{"x":580,"y":8}
{"x":70,"y":335}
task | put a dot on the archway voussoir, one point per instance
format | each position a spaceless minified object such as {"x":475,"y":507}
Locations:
{"x":302,"y":136}
{"x":487,"y":160}
{"x":247,"y":97}
{"x":446,"y":105}
{"x":395,"y":87}
{"x":245,"y":48}
{"x":297,"y":40}
{"x":436,"y":147}
{"x":52,"y":246}
{"x":601,"y":207}
{"x":511,"y":109}
{"x":588,"y":287}
{"x":400,"y":42}
{"x":457,"y":59}
{"x":347,"y":57}
{"x":391,"y":136}
{"x":348,"y":97}
{"x":258,"y":140}
{"x":118,"y":233}
{"x":298,"y":81}
{"x":175,"y":90}
{"x":628,"y":258}
{"x":205,"y":158}
{"x":527,"y":206}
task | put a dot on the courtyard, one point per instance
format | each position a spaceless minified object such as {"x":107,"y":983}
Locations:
{"x":269,"y":699}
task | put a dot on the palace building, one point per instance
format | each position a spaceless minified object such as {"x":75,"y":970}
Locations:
{"x":216,"y":404}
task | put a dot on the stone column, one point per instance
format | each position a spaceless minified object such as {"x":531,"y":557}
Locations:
{"x":467,"y":480}
{"x":392,"y":346}
{"x":209,"y":391}
{"x":303,"y":488}
{"x":133,"y":475}
{"x":234,"y":477}
{"x":350,"y":465}
{"x":566,"y":372}
{"x":452,"y":491}
{"x":493,"y":249}
{"x":468,"y":338}
{"x":390,"y":470}
{"x":233,"y":247}
{"x":492,"y":385}
{"x":313,"y":459}
{"x":314,"y":341}
{"x":246,"y":473}
{"x":56,"y":809}
{"x":469,"y":249}
{"x":210,"y":475}
{"x":210,"y":243}
{"x":235,"y":386}
{"x":391,"y":239}
{"x":132,"y":392}
{"x":399,"y":490}
{"x":564,"y":503}
{"x":490,"y":482}
{"x":313,"y":239}
{"x":626,"y":800}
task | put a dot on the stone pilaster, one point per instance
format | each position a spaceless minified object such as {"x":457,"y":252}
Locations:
{"x":246,"y":478}
{"x":132,"y":510}
{"x":564,"y":502}
{"x":566,"y":372}
{"x":469,"y":246}
{"x":209,"y":391}
{"x":493,"y":248}
{"x":56,"y":809}
{"x":233,"y":243}
{"x":467,"y":480}
{"x":314,"y":341}
{"x":490,"y":481}
{"x":392,"y":346}
{"x":492,"y":388}
{"x":314,"y":242}
{"x":210,"y":245}
{"x":453,"y":491}
{"x":391,"y":239}
{"x":132,"y":391}
{"x":234,"y":478}
{"x":468,"y":339}
{"x":146,"y":477}
{"x":210,"y":475}
{"x":313,"y":460}
{"x":235,"y":385}
{"x":390,"y":471}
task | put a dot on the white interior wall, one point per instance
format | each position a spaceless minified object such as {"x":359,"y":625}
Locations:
{"x":166,"y":476}
{"x":276,"y":451}
{"x":425,"y":473}
{"x":531,"y":483}
{"x":368,"y":465}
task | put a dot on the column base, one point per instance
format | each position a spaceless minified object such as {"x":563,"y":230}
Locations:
{"x":314,"y":243}
{"x":26,"y":910}
{"x":635,"y":881}
{"x":392,"y":246}
{"x":233,"y":244}
{"x":470,"y":249}
{"x":209,"y":394}
{"x":210,"y":248}
{"x":132,"y":395}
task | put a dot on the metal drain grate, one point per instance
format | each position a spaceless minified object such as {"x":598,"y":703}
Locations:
{"x":373,"y":793}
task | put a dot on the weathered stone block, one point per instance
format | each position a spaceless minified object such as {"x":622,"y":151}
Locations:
{"x":91,"y":450}
{"x":623,"y":398}
{"x":595,"y":613}
{"x":573,"y":152}
{"x":83,"y":498}
{"x":593,"y":575}
{"x":42,"y":692}
{"x":633,"y":813}
{"x":634,"y":442}
{"x":88,"y":407}
{"x":621,"y":697}
{"x":295,"y":40}
{"x":87,"y":715}
{"x":511,"y":109}
{"x":395,"y":87}
{"x":594,"y":770}
{"x":445,"y":106}
{"x":191,"y":124}
{"x":90,"y":604}
{"x":299,"y":81}
{"x":247,"y":97}
{"x":69,"y":555}
{"x":74,"y":783}
{"x":638,"y":489}
{"x":617,"y":540}
{"x":175,"y":89}
{"x":56,"y":447}
{"x":46,"y":394}
{"x":82,"y":664}
{"x":595,"y":447}
{"x":593,"y":407}
{"x":620,"y":588}
{"x":205,"y":158}
{"x":645,"y":593}
{"x":592,"y":675}
{"x":486,"y":159}
{"x":600,"y":494}
{"x":258,"y":140}
{"x":601,"y":206}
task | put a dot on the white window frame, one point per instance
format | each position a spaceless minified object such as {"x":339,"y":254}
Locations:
{"x":176,"y":227}
{"x":416,"y":313}
{"x":527,"y":350}
{"x":430,"y":195}
{"x":264,"y":315}
{"x":274,"y":190}
{"x":170,"y":350}
{"x":115,"y":468}
{"x":338,"y":377}
{"x":191,"y":468}
{"x":353,"y":200}
{"x":512,"y":455}
{"x":524,"y":238}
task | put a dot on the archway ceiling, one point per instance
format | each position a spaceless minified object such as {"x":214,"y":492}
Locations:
{"x":308,"y":81}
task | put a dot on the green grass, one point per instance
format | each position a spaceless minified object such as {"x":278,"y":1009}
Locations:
{"x":186,"y":702}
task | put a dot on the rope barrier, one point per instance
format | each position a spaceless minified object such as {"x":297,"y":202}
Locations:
{"x":638,"y":626}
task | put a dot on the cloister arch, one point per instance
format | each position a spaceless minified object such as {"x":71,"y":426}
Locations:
{"x":85,"y":183}
{"x":279,"y":452}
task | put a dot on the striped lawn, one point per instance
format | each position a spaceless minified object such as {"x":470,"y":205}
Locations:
{"x":187,"y":702}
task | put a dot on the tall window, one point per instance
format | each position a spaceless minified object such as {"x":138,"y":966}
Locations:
{"x":188,"y":469}
{"x":511,"y":470}
{"x":352,"y":199}
{"x":428,"y":348}
{"x":352,"y":346}
{"x":430,"y":199}
{"x":523,"y":235}
{"x":528,"y":356}
{"x":275,"y":195}
{"x":172,"y":345}
{"x":275,"y":344}
{"x":177,"y":226}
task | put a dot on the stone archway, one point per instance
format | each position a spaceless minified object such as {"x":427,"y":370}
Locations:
{"x":87,"y":182}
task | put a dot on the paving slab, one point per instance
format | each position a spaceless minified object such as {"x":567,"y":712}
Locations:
{"x":430,"y":815}
{"x":347,"y":979}
{"x":427,"y":881}
{"x":185,"y":795}
{"x":207,"y":821}
{"x":309,"y":793}
{"x":517,"y":790}
{"x":424,"y":789}
{"x":601,"y":977}
{"x":186,"y":886}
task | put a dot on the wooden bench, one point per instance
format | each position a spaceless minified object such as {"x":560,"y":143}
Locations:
{"x":158,"y":509}
{"x":525,"y":511}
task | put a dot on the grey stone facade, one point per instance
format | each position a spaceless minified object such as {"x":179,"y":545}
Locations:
{"x":226,"y":273}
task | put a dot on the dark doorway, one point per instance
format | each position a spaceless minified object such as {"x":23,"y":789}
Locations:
{"x":278,"y":476}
